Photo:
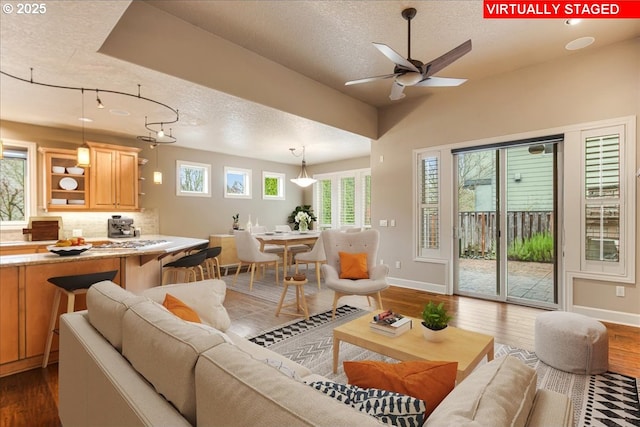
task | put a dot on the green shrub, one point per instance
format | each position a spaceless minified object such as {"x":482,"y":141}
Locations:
{"x":538,"y":248}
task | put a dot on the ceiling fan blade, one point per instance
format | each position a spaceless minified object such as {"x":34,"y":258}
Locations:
{"x":440,"y":82}
{"x":397,"y":92}
{"x":447,"y":59}
{"x":369,"y":79}
{"x":395,"y":57}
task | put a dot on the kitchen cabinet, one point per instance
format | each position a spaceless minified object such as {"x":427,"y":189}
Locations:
{"x":66,"y":187}
{"x":229,"y":255}
{"x":113,"y":177}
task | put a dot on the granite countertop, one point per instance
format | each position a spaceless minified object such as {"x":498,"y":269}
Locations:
{"x":172,"y":244}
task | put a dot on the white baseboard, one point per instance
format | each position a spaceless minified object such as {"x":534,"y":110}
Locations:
{"x":414,"y":284}
{"x":609,"y":315}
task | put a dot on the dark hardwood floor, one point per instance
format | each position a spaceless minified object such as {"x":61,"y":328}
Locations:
{"x":31,"y":398}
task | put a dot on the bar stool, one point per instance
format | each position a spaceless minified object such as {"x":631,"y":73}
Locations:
{"x":71,"y":286}
{"x":189,"y":265}
{"x":212,"y":263}
{"x":299,"y":280}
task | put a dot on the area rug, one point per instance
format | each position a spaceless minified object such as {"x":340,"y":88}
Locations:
{"x":605,"y":400}
{"x":266,"y":288}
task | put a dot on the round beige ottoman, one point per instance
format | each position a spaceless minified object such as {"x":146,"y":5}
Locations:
{"x":572,"y":342}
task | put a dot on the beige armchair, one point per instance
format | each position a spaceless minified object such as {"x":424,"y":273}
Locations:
{"x":249,"y":253}
{"x":336,"y":241}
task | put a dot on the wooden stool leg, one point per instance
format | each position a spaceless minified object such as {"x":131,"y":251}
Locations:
{"x":217,"y":262}
{"x":52,"y":326}
{"x":71,"y":302}
{"x":305,"y":309}
{"x":284,"y":293}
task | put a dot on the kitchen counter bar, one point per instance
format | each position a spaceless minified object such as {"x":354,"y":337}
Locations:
{"x":173,"y":244}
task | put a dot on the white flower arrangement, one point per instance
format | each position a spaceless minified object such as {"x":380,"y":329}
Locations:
{"x":302,"y":217}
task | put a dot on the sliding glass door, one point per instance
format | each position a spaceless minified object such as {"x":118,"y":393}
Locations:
{"x":506,"y":224}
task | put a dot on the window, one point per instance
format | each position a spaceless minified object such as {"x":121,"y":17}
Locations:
{"x":606,"y":192}
{"x":602,"y":194}
{"x":17,"y":183}
{"x":273,"y":186}
{"x":343,"y":199}
{"x":429,"y":194}
{"x":193,"y":179}
{"x":237,"y":183}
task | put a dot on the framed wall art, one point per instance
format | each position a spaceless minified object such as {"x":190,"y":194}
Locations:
{"x":193,"y":179}
{"x":237,"y":183}
{"x":273,"y":185}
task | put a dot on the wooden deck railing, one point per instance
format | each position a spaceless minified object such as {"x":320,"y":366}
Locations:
{"x":477,"y":230}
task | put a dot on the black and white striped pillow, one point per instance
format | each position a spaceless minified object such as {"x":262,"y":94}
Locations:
{"x":389,"y":407}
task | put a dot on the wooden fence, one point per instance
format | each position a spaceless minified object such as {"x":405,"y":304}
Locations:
{"x":477,"y":230}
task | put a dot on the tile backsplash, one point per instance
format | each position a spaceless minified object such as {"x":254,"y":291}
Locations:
{"x":92,"y":224}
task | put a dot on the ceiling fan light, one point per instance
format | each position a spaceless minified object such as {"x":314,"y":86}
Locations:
{"x":409,"y":79}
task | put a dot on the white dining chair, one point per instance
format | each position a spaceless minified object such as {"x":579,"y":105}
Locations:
{"x":249,"y":253}
{"x":315,"y":256}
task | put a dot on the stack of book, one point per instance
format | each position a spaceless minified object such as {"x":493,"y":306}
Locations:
{"x":390,"y":323}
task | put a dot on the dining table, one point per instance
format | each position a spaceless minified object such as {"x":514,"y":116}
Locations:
{"x":287,"y":239}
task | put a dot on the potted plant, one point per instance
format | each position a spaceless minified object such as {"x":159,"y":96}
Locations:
{"x":434,"y":320}
{"x":306,"y":209}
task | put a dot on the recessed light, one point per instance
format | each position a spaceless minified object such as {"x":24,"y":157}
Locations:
{"x":573,"y":21}
{"x":116,"y":112}
{"x":85,"y":119}
{"x":580,"y":43}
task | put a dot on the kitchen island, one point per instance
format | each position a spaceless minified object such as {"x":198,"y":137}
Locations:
{"x":26,"y":297}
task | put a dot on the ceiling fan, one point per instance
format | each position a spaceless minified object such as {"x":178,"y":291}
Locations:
{"x":411,"y":72}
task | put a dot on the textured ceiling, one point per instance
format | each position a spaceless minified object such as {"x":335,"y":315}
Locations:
{"x":326,"y":41}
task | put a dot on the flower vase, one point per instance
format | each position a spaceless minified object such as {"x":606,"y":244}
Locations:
{"x":303,"y":227}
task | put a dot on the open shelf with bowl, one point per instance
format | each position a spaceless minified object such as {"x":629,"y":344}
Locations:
{"x":65,"y":184}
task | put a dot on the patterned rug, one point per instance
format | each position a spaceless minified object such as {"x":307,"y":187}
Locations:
{"x":607,"y":400}
{"x":265,"y":287}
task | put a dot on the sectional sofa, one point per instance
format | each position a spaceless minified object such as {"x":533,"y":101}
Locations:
{"x":127,"y":361}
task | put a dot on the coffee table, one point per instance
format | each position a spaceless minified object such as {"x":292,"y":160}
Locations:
{"x":465,"y":347}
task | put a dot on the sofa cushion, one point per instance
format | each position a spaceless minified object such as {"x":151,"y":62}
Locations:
{"x":205,"y":297}
{"x":426,"y":380}
{"x":106,"y":304}
{"x":164,"y":349}
{"x":180,"y":309}
{"x":500,"y":392}
{"x":232,"y":386}
{"x":389,"y":407}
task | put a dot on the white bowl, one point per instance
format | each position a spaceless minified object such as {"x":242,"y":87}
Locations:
{"x":57,"y":169}
{"x":76,"y":202}
{"x":75,"y":171}
{"x":58,"y":201}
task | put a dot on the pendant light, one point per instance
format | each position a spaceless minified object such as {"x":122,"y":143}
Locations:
{"x":157,"y":174}
{"x":83,"y":158}
{"x":303,"y":179}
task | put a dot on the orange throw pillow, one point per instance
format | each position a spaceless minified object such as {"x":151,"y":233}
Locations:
{"x":180,"y":309}
{"x":426,"y":380}
{"x":353,"y":266}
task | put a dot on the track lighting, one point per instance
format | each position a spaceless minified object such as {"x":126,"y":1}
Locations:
{"x":100,"y":106}
{"x":303,"y":179}
{"x":150,"y":126}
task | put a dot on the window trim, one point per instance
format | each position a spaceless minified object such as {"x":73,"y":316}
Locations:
{"x":31,"y":185}
{"x":623,"y":200}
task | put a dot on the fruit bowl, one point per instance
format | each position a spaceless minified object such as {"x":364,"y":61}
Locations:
{"x":69,"y":250}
